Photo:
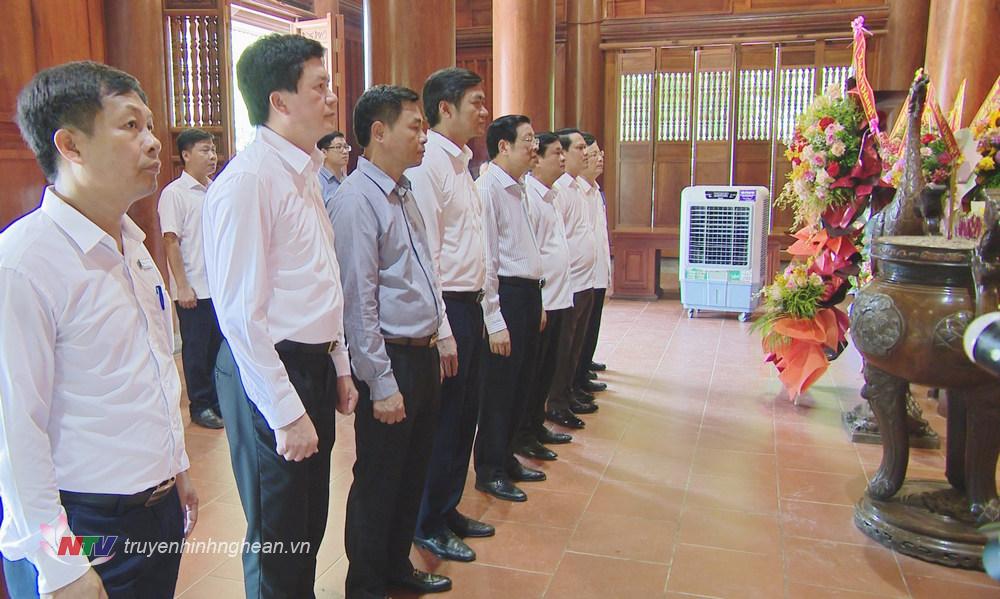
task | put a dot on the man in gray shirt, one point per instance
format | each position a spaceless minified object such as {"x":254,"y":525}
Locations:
{"x":393,"y":309}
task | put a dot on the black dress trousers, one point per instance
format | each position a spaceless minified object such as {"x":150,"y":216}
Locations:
{"x":575,"y":327}
{"x":389,"y":474}
{"x":590,"y":340}
{"x":504,"y":394}
{"x":537,"y":386}
{"x":456,"y":429}
{"x":200,"y":342}
{"x":283,"y":501}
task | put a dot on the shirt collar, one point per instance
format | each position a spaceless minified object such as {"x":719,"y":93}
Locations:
{"x":503,"y":177}
{"x":328,"y":175}
{"x":567,"y":180}
{"x":293,"y":156}
{"x":84,"y":233}
{"x":188,"y":180}
{"x":585,"y":185}
{"x":546,"y":193}
{"x":463,"y":154}
{"x":384,"y":181}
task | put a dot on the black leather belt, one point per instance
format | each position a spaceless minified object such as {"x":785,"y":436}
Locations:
{"x":430,"y":341}
{"x":468,"y":297}
{"x":306,"y":348}
{"x":111,"y":501}
{"x":520,"y":282}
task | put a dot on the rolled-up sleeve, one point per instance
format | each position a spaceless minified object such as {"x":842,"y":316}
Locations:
{"x":356,"y":236}
{"x":236,"y":226}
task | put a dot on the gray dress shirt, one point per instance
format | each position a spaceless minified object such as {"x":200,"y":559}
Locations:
{"x":390,"y":289}
{"x":329,"y":183}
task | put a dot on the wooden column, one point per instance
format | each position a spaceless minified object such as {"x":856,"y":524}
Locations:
{"x":904,"y":46}
{"x":584,"y":66}
{"x":961,"y":44}
{"x":403,"y":44}
{"x":134,"y":44}
{"x":524,"y":54}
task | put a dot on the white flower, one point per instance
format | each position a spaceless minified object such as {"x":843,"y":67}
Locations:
{"x":925,"y":151}
{"x":838,"y":148}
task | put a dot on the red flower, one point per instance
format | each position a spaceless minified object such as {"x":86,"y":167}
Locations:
{"x":833,"y":169}
{"x":826,"y":122}
{"x":927,"y":138}
{"x":944,"y":158}
{"x":796,"y":162}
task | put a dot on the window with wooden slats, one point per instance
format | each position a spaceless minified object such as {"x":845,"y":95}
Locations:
{"x":795,"y":93}
{"x":674,"y":106}
{"x":713,"y":105}
{"x":636,"y":102}
{"x":754,"y":101}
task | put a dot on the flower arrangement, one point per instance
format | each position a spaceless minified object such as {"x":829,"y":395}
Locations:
{"x":988,"y":136}
{"x":823,"y":152}
{"x":795,"y":293}
{"x":936,"y":162}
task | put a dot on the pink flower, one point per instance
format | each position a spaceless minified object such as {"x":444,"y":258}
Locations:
{"x":819,"y":160}
{"x":944,"y":158}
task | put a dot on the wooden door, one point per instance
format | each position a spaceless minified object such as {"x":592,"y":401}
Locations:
{"x":672,"y":157}
{"x":634,"y":139}
{"x":329,"y":31}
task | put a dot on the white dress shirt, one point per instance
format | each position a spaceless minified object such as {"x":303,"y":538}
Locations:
{"x":272,"y":268}
{"x":599,"y":221}
{"x":579,"y":232}
{"x":453,"y":212}
{"x":551,"y":235}
{"x":89,"y":392}
{"x":180,"y":208}
{"x":511,"y":249}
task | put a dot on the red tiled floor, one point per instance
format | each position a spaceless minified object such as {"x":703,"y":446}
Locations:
{"x":697,"y":478}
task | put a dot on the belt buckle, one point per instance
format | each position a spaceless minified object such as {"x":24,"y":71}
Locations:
{"x":541,"y":283}
{"x":333,"y":345}
{"x":433,"y":340}
{"x":160,"y":490}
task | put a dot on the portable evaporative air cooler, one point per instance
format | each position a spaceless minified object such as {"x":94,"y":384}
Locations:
{"x":723,"y":247}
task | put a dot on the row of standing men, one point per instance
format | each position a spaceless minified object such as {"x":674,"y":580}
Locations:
{"x":466,"y":306}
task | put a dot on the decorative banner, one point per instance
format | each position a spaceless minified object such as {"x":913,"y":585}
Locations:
{"x":955,"y":115}
{"x":991,"y":103}
{"x":900,"y":126}
{"x":865,"y":91}
{"x":944,"y":129}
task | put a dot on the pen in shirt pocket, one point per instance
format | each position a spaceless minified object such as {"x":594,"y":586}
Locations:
{"x":159,"y":294}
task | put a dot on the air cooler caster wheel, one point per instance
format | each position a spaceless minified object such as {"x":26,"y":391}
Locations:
{"x":692,"y":312}
{"x":744,"y":316}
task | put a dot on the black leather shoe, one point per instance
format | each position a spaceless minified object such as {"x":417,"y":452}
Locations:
{"x":502,"y":488}
{"x":446,"y":545}
{"x":536,"y":451}
{"x":466,"y":527}
{"x":522,"y":474}
{"x":582,"y":396}
{"x":582,"y":408}
{"x":593,"y":386}
{"x":597,"y":367}
{"x":550,"y":437}
{"x":423,"y":582}
{"x":591,"y":375}
{"x":208,"y":419}
{"x":565,"y":418}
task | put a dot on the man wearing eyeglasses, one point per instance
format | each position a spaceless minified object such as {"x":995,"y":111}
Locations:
{"x":336,"y":154}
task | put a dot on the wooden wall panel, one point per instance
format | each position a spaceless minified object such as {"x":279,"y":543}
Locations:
{"x":37,"y":34}
{"x":638,"y":8}
{"x":712,"y":101}
{"x":672,"y":159}
{"x":479,"y":13}
{"x":635,"y":153}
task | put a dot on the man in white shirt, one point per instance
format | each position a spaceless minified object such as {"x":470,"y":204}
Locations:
{"x":564,"y":403}
{"x":180,"y":209}
{"x":275,"y":281}
{"x":455,"y":108}
{"x":602,"y":265}
{"x":93,"y":442}
{"x":512,"y":306}
{"x":557,"y":298}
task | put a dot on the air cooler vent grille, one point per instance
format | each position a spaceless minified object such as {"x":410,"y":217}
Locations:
{"x":719,"y":235}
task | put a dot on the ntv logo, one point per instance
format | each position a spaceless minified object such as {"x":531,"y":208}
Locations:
{"x":58,"y":542}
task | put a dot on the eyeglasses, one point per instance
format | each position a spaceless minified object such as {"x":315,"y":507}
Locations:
{"x":338,"y":148}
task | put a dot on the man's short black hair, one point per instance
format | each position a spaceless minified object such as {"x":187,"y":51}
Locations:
{"x":272,"y":63}
{"x":546,"y":139}
{"x":504,"y":128}
{"x":327,"y":140}
{"x":68,"y":95}
{"x":382,"y":103}
{"x":187,"y":139}
{"x":564,"y":136}
{"x":449,"y":85}
{"x":588,"y":138}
